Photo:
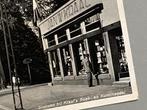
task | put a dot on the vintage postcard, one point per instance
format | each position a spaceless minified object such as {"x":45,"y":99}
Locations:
{"x":89,"y":58}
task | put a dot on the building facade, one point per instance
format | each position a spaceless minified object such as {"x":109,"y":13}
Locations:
{"x":85,"y":26}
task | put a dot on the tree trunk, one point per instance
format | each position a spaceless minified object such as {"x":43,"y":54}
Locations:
{"x":2,"y":76}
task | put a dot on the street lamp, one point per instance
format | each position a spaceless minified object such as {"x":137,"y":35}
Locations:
{"x":4,"y":21}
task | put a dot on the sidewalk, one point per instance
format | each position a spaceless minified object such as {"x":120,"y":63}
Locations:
{"x":38,"y":97}
{"x":9,"y":88}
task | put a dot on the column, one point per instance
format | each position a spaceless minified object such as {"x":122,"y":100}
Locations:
{"x":51,"y":66}
{"x":60,"y":59}
{"x":86,"y":45}
{"x":109,"y":55}
{"x":114,"y":53}
{"x":72,"y":54}
{"x":46,"y":46}
{"x":44,"y":43}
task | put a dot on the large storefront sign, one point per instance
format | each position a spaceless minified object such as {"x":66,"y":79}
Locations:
{"x":65,"y":13}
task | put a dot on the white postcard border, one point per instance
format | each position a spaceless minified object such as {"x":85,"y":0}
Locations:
{"x":116,"y":99}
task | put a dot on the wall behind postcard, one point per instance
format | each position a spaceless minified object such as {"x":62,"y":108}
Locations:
{"x":136,"y":16}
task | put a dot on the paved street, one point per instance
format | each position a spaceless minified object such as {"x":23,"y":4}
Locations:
{"x":43,"y":95}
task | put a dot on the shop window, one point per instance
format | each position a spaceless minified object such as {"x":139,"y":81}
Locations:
{"x":81,"y":55}
{"x":122,"y":57}
{"x":98,"y":55}
{"x":93,"y":22}
{"x":75,"y":30}
{"x":55,"y":64}
{"x":79,"y":50}
{"x":62,"y":35}
{"x":51,"y":41}
{"x":66,"y":60}
{"x":101,"y":56}
{"x":93,"y":25}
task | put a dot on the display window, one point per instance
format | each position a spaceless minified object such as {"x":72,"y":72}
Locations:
{"x":55,"y":64}
{"x":98,"y":55}
{"x":124,"y":72}
{"x":66,"y":60}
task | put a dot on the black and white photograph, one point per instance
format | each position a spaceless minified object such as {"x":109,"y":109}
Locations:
{"x":64,"y":55}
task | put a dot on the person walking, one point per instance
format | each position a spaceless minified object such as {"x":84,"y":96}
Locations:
{"x":88,"y":69}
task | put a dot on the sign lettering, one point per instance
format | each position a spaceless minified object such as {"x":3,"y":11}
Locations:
{"x":70,"y":10}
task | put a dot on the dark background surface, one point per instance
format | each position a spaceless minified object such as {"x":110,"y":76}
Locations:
{"x":136,"y":16}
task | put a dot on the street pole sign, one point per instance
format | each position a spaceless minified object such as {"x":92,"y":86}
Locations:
{"x":27,"y":61}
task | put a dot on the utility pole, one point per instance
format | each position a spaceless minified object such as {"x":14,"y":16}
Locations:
{"x":5,"y":27}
